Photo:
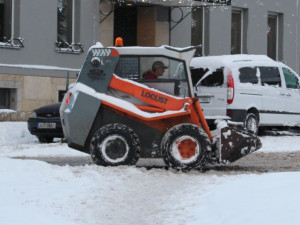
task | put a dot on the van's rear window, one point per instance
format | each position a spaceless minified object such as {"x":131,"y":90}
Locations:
{"x":215,"y":79}
{"x":197,"y":74}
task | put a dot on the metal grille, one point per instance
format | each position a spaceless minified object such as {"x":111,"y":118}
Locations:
{"x":128,"y":67}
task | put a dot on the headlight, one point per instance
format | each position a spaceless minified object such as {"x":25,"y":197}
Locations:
{"x":32,"y":114}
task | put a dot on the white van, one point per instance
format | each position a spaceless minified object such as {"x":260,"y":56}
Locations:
{"x":253,"y":90}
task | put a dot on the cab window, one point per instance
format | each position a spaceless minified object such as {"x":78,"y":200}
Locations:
{"x":159,"y":72}
{"x":291,"y":80}
{"x":137,"y":67}
{"x":128,"y":67}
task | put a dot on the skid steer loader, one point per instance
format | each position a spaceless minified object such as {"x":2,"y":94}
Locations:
{"x":119,"y":117}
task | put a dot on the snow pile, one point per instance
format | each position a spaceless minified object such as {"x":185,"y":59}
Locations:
{"x":35,"y":193}
{"x":5,"y":113}
{"x":16,"y":141}
{"x":14,"y":133}
{"x":280,"y":143}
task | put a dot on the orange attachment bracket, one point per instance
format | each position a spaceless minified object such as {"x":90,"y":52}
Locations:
{"x":203,"y":120}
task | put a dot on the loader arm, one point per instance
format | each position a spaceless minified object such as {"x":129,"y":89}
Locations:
{"x":148,"y":95}
{"x":160,"y":101}
{"x":233,"y":143}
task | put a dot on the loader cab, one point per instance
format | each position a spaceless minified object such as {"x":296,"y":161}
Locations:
{"x":173,"y":79}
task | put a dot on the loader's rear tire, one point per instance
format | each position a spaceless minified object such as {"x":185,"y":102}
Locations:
{"x":185,"y":147}
{"x":114,"y":145}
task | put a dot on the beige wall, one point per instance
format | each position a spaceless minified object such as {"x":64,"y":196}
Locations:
{"x":146,"y":26}
{"x":162,"y":33}
{"x":149,"y":31}
{"x":32,"y":91}
{"x":40,"y":91}
{"x":106,"y":31}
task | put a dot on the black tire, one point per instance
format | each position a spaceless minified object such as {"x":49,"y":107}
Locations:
{"x":251,"y":123}
{"x":185,"y":147}
{"x":114,"y":145}
{"x":43,"y":139}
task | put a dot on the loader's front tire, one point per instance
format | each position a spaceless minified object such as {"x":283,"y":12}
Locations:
{"x":185,"y":147}
{"x":114,"y":145}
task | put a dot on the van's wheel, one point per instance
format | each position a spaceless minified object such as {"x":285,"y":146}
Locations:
{"x":114,"y":145}
{"x":185,"y":147}
{"x":251,"y":123}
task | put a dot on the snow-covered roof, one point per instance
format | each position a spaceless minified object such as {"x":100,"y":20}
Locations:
{"x":224,"y":60}
{"x":179,"y":53}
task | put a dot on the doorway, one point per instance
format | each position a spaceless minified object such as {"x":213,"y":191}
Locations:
{"x":125,"y":24}
{"x":4,"y":98}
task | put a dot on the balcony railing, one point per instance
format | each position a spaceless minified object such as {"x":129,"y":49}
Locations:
{"x":65,"y":47}
{"x":14,"y":43}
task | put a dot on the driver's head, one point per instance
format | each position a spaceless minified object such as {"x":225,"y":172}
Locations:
{"x":158,"y":68}
{"x":158,"y":64}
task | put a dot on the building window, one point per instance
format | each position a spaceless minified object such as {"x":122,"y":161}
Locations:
{"x":61,"y":94}
{"x":4,"y":98}
{"x":197,"y":37}
{"x":9,"y":24}
{"x":273,"y":36}
{"x":68,"y":26}
{"x":237,"y":31}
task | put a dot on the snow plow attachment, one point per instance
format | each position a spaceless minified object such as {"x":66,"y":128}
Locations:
{"x":234,"y":143}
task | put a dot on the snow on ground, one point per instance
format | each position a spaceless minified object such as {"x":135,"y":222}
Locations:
{"x":16,"y":141}
{"x":34,"y":192}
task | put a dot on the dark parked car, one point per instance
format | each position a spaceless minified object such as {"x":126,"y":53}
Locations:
{"x":45,"y":123}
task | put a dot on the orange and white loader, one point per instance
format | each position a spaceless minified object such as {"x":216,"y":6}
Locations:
{"x":120,"y":118}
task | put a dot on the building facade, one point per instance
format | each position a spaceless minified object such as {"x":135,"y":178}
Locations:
{"x":41,"y":43}
{"x":41,"y":46}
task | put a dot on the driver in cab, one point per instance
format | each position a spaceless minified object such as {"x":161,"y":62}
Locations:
{"x":158,"y":69}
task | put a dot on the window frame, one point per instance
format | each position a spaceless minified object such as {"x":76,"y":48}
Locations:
{"x":12,"y":41}
{"x":203,"y":20}
{"x":74,"y":47}
{"x":162,"y":79}
{"x":155,"y":57}
{"x":241,"y":37}
{"x":275,"y":16}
